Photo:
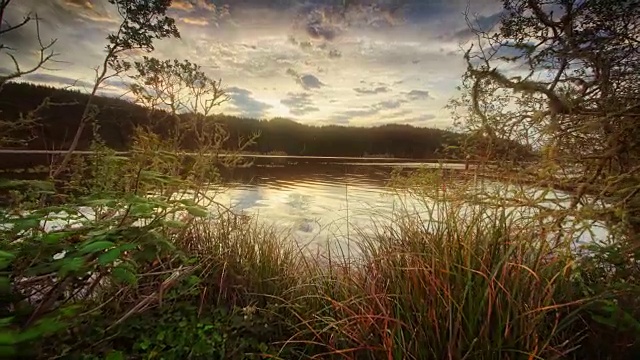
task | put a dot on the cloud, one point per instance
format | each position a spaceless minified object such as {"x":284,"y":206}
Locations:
{"x":57,"y":80}
{"x":390,"y":104}
{"x":377,"y":90}
{"x":198,"y":21}
{"x":309,"y":81}
{"x":210,"y":6}
{"x":87,"y":10}
{"x":80,"y":3}
{"x":244,"y":102}
{"x":299,"y":103}
{"x":183,"y":5}
{"x":325,"y":50}
{"x":418,"y":95}
{"x":480,"y":23}
{"x":371,"y":110}
{"x":421,"y":119}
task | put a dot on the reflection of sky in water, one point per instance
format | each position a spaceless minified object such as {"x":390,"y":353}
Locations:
{"x":317,"y":206}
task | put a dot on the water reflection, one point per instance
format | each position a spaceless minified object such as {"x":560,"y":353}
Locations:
{"x":313,"y":203}
{"x":319,"y":204}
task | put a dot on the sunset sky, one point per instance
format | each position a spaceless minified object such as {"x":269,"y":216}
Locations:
{"x":286,"y":58}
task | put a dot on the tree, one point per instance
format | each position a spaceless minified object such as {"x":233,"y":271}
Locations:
{"x":45,"y":50}
{"x":141,"y":22}
{"x":180,"y":97}
{"x":563,"y":76}
{"x":45,"y":55}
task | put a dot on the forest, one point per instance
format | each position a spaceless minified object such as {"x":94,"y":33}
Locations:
{"x":58,"y":119}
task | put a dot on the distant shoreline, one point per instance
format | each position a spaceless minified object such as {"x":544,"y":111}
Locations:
{"x":251,"y":155}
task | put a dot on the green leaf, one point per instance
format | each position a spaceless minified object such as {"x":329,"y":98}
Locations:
{"x":197,"y":211}
{"x":148,"y":253}
{"x":96,"y":246}
{"x":100,"y":202}
{"x":8,"y":338}
{"x":42,"y":328}
{"x":5,"y":285}
{"x":6,"y":255}
{"x":141,"y":210}
{"x":35,"y":184}
{"x":115,"y":355}
{"x":71,"y":265}
{"x":144,"y":345}
{"x":26,"y":224}
{"x":55,"y":237}
{"x":175,"y":224}
{"x":127,"y":247}
{"x":188,"y":202}
{"x":124,"y":275}
{"x":110,"y":256}
{"x":6,"y":321}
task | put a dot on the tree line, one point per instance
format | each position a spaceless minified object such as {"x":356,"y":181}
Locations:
{"x":57,"y":120}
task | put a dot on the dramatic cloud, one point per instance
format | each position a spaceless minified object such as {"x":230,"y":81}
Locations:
{"x":195,"y":21}
{"x":309,"y":81}
{"x":245,"y":104}
{"x":481,"y":23}
{"x":183,"y":5}
{"x":314,"y":61}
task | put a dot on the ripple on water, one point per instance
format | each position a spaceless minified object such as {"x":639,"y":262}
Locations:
{"x":319,"y":206}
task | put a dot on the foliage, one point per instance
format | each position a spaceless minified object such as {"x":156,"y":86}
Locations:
{"x":66,"y":244}
{"x":22,"y":124}
{"x":140,"y":24}
{"x":562,"y":77}
{"x":580,"y":110}
{"x":180,"y":329}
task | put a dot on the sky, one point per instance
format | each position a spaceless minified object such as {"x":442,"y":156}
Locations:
{"x":378,"y":62}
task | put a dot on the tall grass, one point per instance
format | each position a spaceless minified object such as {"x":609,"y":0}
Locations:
{"x":468,"y":287}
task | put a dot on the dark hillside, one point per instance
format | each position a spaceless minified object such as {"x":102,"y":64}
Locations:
{"x":57,"y":123}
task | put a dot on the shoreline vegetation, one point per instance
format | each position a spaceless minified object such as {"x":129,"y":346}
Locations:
{"x":479,"y":284}
{"x":130,"y":257}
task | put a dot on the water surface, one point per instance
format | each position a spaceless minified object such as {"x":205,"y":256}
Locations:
{"x":321,"y":203}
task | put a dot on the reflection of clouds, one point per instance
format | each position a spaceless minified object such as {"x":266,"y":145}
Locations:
{"x":247,"y":199}
{"x":319,"y":211}
{"x":328,"y":213}
{"x":299,"y":202}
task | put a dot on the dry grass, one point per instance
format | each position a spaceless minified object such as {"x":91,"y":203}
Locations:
{"x":471,"y":287}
